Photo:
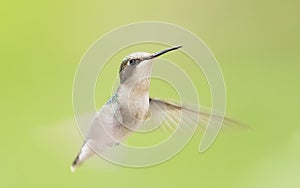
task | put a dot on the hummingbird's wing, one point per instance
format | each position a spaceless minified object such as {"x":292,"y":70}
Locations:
{"x":169,"y":116}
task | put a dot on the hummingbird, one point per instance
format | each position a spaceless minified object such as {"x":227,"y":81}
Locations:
{"x":130,"y":107}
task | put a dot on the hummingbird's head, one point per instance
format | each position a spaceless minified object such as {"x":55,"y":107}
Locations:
{"x":137,"y":66}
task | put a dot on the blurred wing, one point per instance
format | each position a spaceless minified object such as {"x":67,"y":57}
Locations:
{"x":168,"y":116}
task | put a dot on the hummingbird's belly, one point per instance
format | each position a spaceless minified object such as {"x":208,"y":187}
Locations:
{"x":133,"y":118}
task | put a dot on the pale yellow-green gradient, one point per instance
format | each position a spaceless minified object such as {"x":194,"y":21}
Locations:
{"x":255,"y":42}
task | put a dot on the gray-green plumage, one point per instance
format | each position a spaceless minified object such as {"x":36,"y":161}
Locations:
{"x":129,"y":107}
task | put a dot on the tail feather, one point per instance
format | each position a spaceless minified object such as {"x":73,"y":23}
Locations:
{"x":85,"y":153}
{"x":75,"y":163}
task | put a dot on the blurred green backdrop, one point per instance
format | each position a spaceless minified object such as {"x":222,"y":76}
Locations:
{"x":257,"y":46}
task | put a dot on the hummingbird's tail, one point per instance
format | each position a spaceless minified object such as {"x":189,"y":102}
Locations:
{"x":85,"y":153}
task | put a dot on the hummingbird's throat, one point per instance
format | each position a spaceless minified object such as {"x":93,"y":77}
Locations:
{"x":135,"y":99}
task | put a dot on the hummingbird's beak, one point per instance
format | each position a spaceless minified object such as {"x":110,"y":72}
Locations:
{"x":162,"y":52}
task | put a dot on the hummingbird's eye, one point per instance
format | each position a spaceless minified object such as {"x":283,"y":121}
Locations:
{"x":132,"y":61}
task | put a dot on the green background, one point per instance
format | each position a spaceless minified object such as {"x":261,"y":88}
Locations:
{"x":255,"y":42}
